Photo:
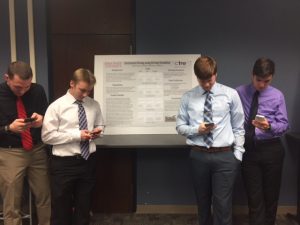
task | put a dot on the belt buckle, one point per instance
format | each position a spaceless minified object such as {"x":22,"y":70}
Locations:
{"x":78,"y":156}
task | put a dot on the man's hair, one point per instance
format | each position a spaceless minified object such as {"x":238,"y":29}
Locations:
{"x":263,"y":67}
{"x":20,"y":68}
{"x":84,"y":75}
{"x":205,"y":67}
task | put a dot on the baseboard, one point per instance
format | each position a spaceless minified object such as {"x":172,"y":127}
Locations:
{"x":192,"y":209}
{"x":166,"y":209}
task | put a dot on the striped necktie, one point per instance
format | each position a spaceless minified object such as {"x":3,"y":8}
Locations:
{"x":26,"y":137}
{"x":207,"y":114}
{"x":84,"y":145}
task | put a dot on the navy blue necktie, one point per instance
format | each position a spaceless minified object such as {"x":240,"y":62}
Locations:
{"x":250,"y":129}
{"x":207,"y":115}
{"x":252,"y":114}
{"x":84,"y":145}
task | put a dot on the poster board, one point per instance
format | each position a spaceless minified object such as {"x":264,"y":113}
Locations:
{"x":140,"y":94}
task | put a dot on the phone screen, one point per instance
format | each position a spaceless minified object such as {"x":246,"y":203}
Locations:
{"x":28,"y":120}
{"x":209,"y":124}
{"x":259,"y":118}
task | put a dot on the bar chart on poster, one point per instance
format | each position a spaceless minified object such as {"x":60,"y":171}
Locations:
{"x":140,"y":94}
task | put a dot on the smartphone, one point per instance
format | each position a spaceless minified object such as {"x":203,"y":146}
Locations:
{"x":29,"y":120}
{"x":93,"y":132}
{"x":259,"y":118}
{"x":209,"y":124}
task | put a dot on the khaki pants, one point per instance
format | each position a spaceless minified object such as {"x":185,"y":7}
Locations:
{"x":15,"y":164}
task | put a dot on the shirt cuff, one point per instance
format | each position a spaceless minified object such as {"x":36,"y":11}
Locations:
{"x":238,"y":155}
{"x":195,"y":130}
{"x":76,"y":135}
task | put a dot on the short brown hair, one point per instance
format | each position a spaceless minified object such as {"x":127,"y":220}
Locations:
{"x":205,"y":67}
{"x":85,"y":75}
{"x":20,"y":68}
{"x":263,"y":67}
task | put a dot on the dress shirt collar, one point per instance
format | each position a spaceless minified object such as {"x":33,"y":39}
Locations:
{"x":213,"y":90}
{"x":7,"y":87}
{"x":253,"y":90}
{"x":71,"y":100}
{"x":9,"y":91}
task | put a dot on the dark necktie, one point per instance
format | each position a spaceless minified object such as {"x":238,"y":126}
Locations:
{"x":84,"y":145}
{"x":207,"y":115}
{"x":250,"y":129}
{"x":26,"y":137}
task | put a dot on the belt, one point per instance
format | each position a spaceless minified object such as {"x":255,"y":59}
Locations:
{"x":267,"y":141}
{"x":10,"y":146}
{"x":14,"y":145}
{"x":70,"y":157}
{"x":211,"y":149}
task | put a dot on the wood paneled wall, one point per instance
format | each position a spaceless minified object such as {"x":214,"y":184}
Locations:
{"x":78,"y":30}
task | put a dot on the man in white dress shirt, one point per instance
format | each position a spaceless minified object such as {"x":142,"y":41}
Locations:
{"x":73,"y":172}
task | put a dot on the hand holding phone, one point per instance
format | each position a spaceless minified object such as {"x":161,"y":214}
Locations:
{"x":95,"y":133}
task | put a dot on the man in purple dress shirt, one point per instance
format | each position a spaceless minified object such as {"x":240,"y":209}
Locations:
{"x":263,"y":159}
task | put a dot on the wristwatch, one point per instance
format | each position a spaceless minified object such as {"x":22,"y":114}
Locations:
{"x":6,"y":128}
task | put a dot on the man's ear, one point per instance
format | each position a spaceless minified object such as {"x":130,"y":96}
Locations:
{"x":5,"y":77}
{"x":72,"y":83}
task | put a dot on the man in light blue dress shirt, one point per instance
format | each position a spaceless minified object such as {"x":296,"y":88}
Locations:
{"x":214,"y":168}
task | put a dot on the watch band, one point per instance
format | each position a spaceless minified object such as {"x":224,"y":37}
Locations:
{"x":5,"y":128}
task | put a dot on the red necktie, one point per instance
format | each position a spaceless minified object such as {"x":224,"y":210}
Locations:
{"x":25,"y":135}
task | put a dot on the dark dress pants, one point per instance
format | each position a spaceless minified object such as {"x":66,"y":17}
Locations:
{"x":214,"y":176}
{"x":72,"y":182}
{"x":261,"y":170}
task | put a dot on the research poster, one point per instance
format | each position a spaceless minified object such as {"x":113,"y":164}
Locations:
{"x":140,"y":94}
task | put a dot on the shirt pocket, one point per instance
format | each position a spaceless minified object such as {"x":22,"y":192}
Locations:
{"x":268,"y":109}
{"x":220,"y":108}
{"x":195,"y":110}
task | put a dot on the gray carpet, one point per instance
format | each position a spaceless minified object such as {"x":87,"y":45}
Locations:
{"x":168,"y":219}
{"x":163,"y":219}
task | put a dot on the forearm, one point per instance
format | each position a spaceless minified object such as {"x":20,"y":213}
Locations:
{"x":278,"y":128}
{"x":187,"y":131}
{"x":238,"y":145}
{"x":55,"y":137}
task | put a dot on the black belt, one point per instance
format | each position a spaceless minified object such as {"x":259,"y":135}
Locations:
{"x":10,"y":146}
{"x":14,"y":145}
{"x":211,"y":149}
{"x":267,"y":141}
{"x":70,"y":157}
